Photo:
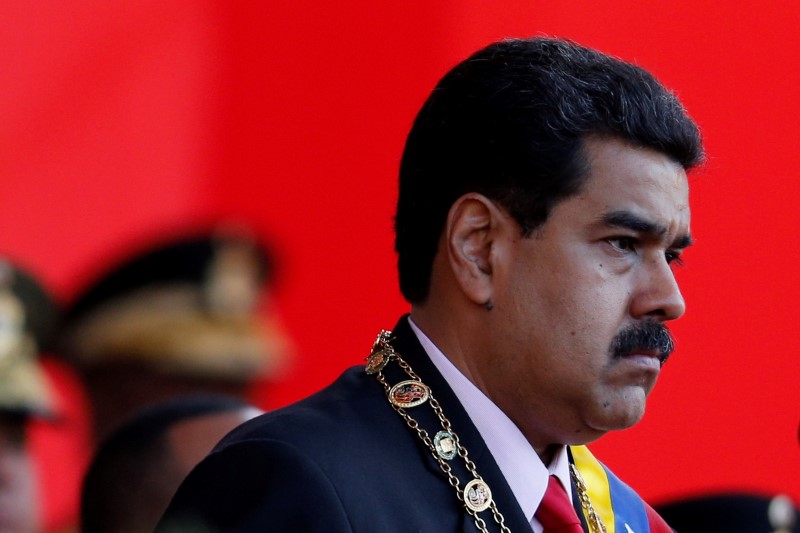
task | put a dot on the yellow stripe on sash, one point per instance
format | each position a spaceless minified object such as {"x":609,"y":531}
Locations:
{"x":594,"y":475}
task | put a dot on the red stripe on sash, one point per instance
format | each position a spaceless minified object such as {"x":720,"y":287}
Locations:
{"x":657,"y":524}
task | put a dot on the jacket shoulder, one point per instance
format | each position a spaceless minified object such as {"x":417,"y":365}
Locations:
{"x":256,"y":485}
{"x":348,"y":409}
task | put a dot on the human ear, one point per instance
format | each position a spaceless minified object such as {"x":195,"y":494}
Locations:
{"x":470,"y":232}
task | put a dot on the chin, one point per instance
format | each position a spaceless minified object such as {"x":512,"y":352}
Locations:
{"x":614,"y":416}
{"x":618,"y":423}
{"x":587,"y":435}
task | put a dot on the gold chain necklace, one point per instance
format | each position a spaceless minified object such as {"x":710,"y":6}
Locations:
{"x":592,"y":518}
{"x":476,"y":496}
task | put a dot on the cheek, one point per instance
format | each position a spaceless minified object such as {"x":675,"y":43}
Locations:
{"x":582,"y":327}
{"x":584,"y":311}
{"x":568,"y":304}
{"x":602,"y":298}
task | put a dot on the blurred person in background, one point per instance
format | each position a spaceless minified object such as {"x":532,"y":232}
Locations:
{"x":27,"y":319}
{"x":190,"y":315}
{"x":138,"y":468}
{"x":732,"y":513}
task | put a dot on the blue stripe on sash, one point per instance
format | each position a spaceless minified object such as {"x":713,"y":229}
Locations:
{"x":628,"y":507}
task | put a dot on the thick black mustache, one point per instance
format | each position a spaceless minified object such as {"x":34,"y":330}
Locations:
{"x":648,"y":336}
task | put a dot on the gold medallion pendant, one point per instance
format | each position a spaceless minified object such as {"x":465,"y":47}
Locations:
{"x":477,"y":495}
{"x":445,"y":445}
{"x":409,"y":393}
{"x":377,"y":361}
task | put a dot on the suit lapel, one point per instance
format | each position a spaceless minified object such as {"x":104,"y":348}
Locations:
{"x":407,"y":345}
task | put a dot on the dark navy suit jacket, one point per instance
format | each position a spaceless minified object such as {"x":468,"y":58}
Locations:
{"x":341,"y":460}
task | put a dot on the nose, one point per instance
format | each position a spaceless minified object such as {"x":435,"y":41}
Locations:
{"x":657,"y":294}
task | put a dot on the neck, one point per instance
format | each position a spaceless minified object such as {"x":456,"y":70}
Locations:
{"x":444,"y":326}
{"x":547,"y":453}
{"x":454,"y":343}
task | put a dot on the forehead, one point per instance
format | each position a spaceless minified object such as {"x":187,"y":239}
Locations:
{"x":642,"y":181}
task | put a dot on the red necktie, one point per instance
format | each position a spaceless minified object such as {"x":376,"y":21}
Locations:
{"x":556,"y":513}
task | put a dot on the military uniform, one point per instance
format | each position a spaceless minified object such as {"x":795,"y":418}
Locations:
{"x":182,"y":317}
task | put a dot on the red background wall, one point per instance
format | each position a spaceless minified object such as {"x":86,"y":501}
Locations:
{"x":122,"y":121}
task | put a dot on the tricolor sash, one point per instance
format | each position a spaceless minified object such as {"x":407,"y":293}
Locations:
{"x":619,"y":507}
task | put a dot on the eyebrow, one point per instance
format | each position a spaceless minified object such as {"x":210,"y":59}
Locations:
{"x":627,"y":220}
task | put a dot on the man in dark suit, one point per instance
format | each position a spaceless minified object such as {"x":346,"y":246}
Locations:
{"x":543,"y":198}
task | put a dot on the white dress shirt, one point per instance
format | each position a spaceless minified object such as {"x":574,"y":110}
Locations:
{"x":521,"y":466}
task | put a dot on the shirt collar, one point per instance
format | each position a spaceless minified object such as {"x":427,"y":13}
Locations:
{"x":525,"y":473}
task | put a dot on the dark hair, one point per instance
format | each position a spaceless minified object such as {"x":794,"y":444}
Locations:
{"x":509,"y":122}
{"x":131,"y":477}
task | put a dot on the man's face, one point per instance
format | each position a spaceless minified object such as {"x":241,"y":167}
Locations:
{"x":600,"y":265}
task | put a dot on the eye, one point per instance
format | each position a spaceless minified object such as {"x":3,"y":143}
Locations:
{"x":673,"y":258}
{"x":624,"y":244}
